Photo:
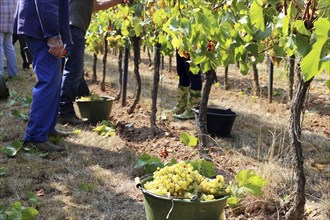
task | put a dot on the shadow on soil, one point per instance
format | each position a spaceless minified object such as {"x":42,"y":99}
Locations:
{"x":82,"y":179}
{"x":249,"y":132}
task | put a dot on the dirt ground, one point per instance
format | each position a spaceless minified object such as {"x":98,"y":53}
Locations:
{"x":260,"y":127}
{"x":94,"y":178}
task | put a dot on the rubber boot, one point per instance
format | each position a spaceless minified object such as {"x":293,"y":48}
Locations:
{"x":182,"y":99}
{"x":193,"y":100}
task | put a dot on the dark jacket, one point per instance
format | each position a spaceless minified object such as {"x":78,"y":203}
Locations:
{"x":43,"y":19}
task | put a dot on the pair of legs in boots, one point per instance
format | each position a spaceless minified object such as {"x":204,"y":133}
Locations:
{"x":189,"y":90}
{"x":73,"y":81}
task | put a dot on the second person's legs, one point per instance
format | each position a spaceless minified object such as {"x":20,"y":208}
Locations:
{"x":183,"y":87}
{"x":194,"y":83}
{"x":73,"y":83}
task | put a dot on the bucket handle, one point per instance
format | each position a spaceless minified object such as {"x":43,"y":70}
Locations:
{"x":139,"y":186}
{"x":138,"y":183}
{"x":171,"y":209}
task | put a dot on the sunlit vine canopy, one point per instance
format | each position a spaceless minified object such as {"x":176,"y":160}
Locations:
{"x":220,"y":33}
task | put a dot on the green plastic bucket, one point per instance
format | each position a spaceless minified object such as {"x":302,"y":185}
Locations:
{"x":159,"y":207}
{"x":96,"y":110}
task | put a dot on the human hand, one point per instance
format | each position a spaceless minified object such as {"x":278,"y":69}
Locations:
{"x":126,"y":1}
{"x":56,"y":47}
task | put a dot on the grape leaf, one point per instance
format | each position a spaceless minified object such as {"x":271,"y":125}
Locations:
{"x":20,"y":115}
{"x":256,"y":16}
{"x":285,"y":24}
{"x":172,"y":162}
{"x":159,"y":16}
{"x":137,"y":27}
{"x":208,"y":169}
{"x":244,"y":69}
{"x":12,"y":149}
{"x":302,"y":44}
{"x":176,"y":42}
{"x":254,"y":190}
{"x":204,"y":167}
{"x":232,"y":201}
{"x":26,"y":102}
{"x":142,"y":160}
{"x":301,"y":28}
{"x":3,"y":171}
{"x":29,"y":213}
{"x":327,"y":83}
{"x":310,"y":64}
{"x":14,"y":212}
{"x":250,"y":182}
{"x":149,"y":163}
{"x":188,"y":139}
{"x":153,"y":165}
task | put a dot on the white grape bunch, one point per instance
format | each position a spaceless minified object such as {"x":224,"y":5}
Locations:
{"x":181,"y":180}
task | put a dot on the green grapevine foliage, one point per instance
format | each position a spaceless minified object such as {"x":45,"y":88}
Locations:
{"x":12,"y":149}
{"x":3,"y":171}
{"x":17,"y":211}
{"x":149,"y":163}
{"x":218,"y":33}
{"x":188,"y":139}
{"x":96,"y":31}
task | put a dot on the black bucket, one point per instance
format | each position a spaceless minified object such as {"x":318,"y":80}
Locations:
{"x":4,"y":92}
{"x":219,"y":121}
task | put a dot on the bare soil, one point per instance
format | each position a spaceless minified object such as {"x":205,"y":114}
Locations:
{"x":94,"y":178}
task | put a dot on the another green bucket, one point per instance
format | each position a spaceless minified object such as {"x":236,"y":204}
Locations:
{"x":159,"y":207}
{"x":96,"y":110}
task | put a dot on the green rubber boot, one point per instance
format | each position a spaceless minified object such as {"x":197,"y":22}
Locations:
{"x":182,"y":99}
{"x":193,"y":100}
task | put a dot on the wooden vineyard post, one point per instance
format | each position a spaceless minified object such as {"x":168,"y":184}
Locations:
{"x":94,"y":78}
{"x":170,"y":63}
{"x":125,"y":76}
{"x":120,"y":72}
{"x":291,"y":76}
{"x":104,"y":61}
{"x":256,"y":79}
{"x":270,"y":79}
{"x":226,"y":84}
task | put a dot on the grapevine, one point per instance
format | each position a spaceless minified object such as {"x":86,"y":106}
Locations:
{"x":220,"y":33}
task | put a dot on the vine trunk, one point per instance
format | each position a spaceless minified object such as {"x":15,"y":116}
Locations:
{"x":298,"y":200}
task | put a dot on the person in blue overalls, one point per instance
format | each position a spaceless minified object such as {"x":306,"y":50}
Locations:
{"x":45,"y":25}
